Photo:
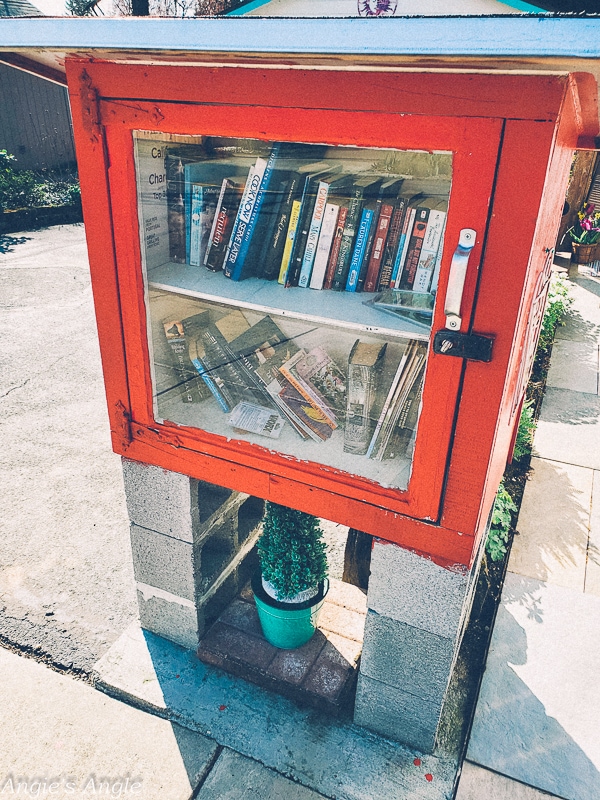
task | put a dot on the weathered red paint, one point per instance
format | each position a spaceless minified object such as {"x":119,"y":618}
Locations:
{"x":512,"y":139}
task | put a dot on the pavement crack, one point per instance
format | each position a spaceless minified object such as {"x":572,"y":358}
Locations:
{"x":31,"y":377}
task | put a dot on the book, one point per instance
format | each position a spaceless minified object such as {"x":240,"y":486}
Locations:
{"x":319,"y":380}
{"x":177,"y":156}
{"x":312,"y":419}
{"x":335,"y":247}
{"x":186,"y":378}
{"x":362,"y":273}
{"x":324,"y":245}
{"x":203,"y":209}
{"x":407,"y":278}
{"x":273,"y":254}
{"x":265,"y":224}
{"x":314,"y":230}
{"x":227,"y":206}
{"x":360,"y":248}
{"x":251,"y":418}
{"x":437,"y":266}
{"x":376,"y":259}
{"x":404,"y":379}
{"x":324,"y":172}
{"x":207,"y":173}
{"x":391,"y":245}
{"x":429,"y":249}
{"x":244,"y":215}
{"x":402,"y":440}
{"x":362,"y":189}
{"x":289,"y":241}
{"x":407,"y":226}
{"x":365,"y":363}
{"x":214,"y":384}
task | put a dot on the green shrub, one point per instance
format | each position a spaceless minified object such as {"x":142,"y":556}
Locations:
{"x":497,"y":540}
{"x":23,"y":188}
{"x":292,"y":552}
{"x":557,"y":305}
{"x":525,"y":431}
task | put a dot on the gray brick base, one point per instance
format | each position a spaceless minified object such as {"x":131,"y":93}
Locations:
{"x":193,"y":548}
{"x":415,"y":620}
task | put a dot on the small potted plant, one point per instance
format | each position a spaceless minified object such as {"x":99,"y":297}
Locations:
{"x":290,"y":589}
{"x":585,"y":235}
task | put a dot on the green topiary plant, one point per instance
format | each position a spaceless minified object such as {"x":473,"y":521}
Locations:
{"x":292,"y":552}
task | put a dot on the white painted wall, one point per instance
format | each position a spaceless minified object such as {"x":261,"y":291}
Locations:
{"x":348,"y":8}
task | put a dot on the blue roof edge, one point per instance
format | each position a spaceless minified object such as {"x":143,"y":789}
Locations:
{"x":511,"y":36}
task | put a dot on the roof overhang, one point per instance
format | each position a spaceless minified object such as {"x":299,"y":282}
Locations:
{"x":505,"y":44}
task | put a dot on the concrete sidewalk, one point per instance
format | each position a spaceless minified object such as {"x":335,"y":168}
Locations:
{"x":538,"y":715}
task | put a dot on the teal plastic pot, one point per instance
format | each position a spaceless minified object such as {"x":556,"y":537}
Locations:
{"x":287,"y":625}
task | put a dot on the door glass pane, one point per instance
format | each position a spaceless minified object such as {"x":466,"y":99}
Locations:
{"x":290,"y":290}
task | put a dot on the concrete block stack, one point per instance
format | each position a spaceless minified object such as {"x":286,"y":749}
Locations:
{"x":193,"y":548}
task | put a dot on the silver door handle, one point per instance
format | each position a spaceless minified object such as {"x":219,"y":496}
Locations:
{"x":456,"y":281}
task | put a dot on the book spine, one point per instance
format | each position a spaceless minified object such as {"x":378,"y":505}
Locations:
{"x":238,"y":264}
{"x":335,"y":247}
{"x":407,"y":278}
{"x":276,"y":246}
{"x":376,"y":260}
{"x":175,"y":207}
{"x":429,"y":250}
{"x":362,"y":273}
{"x":309,"y":394}
{"x":313,"y":234}
{"x":437,"y":267}
{"x":289,"y":241}
{"x":391,"y":246}
{"x":243,"y":215}
{"x":195,"y":224}
{"x":324,"y":246}
{"x":343,"y":263}
{"x":359,"y":250}
{"x":361,"y":393}
{"x":213,"y":229}
{"x":223,"y":228}
{"x":409,"y":221}
{"x":202,"y":371}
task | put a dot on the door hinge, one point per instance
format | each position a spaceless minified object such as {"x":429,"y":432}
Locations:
{"x":473,"y":346}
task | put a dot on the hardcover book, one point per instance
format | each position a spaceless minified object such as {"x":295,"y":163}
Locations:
{"x":362,"y":189}
{"x":376,"y":259}
{"x":192,"y":390}
{"x":318,"y":379}
{"x":360,"y":248}
{"x":364,"y":369}
{"x":328,"y":228}
{"x":407,"y":277}
{"x":227,"y":206}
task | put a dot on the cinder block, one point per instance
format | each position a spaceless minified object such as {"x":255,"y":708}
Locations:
{"x":173,"y":618}
{"x":411,"y":589}
{"x":161,"y":500}
{"x":163,"y":561}
{"x":407,"y":658}
{"x":396,"y":714}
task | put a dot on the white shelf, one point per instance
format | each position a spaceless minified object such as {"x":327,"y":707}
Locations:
{"x":323,"y":307}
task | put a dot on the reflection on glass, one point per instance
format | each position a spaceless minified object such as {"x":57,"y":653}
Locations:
{"x":290,"y":290}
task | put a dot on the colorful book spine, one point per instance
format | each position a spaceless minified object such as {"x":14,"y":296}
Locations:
{"x":224,"y":219}
{"x":289,"y":241}
{"x":244,"y":214}
{"x":429,"y":250}
{"x":407,"y":278}
{"x":216,"y":222}
{"x":314,"y":230}
{"x":274,"y":252}
{"x":376,"y":259}
{"x":360,"y":248}
{"x":328,"y":227}
{"x":335,"y":247}
{"x":407,"y":227}
{"x":346,"y":245}
{"x":196,"y":224}
{"x":239,"y":261}
{"x":385,"y":276}
{"x":362,"y":273}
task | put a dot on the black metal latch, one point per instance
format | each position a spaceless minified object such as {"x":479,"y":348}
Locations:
{"x":473,"y":346}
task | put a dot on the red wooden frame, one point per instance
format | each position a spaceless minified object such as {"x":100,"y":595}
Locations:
{"x":503,"y":133}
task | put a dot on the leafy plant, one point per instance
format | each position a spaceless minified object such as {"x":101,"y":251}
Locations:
{"x":525,"y":432}
{"x":292,"y":552}
{"x":23,"y":188}
{"x":497,"y":540}
{"x":587,"y":227}
{"x":557,"y":305}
